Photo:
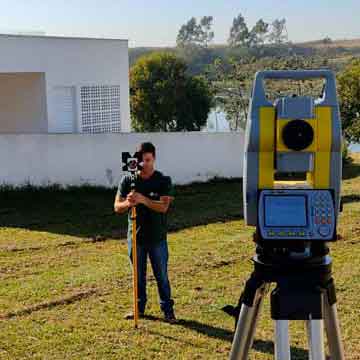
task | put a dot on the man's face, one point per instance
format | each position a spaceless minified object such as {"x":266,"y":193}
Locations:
{"x":148,"y":162}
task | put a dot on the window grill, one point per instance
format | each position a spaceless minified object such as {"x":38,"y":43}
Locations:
{"x":100,"y":109}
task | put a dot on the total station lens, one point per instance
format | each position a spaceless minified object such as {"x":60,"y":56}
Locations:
{"x":297,"y":135}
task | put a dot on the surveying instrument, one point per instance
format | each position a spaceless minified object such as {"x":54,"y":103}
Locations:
{"x":132,"y":164}
{"x":295,"y":137}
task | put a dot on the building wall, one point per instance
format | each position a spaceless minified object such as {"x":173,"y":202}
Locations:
{"x":70,"y":62}
{"x":69,"y":159}
{"x":22,"y":96}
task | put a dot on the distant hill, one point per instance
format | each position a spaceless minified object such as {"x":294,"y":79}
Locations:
{"x":339,"y":43}
{"x":336,"y":51}
{"x":346,"y":44}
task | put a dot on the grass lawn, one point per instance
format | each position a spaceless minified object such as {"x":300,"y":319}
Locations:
{"x":65,"y":276}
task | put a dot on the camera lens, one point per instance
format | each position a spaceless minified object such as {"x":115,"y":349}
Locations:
{"x":297,"y":135}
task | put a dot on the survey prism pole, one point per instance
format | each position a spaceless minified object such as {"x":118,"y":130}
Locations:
{"x":133,"y":164}
{"x":135,"y":267}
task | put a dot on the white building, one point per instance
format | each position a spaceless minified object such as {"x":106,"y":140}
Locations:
{"x":63,"y":85}
{"x":79,"y":86}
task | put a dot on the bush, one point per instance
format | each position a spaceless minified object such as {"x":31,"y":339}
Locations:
{"x":164,"y":97}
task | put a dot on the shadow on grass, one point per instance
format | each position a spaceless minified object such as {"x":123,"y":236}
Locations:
{"x":223,"y":334}
{"x":350,"y":198}
{"x":351,"y":170}
{"x":50,"y":304}
{"x":87,"y":211}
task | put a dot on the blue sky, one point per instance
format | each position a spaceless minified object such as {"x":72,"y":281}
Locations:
{"x":156,"y":22}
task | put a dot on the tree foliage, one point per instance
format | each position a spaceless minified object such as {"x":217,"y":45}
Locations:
{"x":164,"y":97}
{"x":258,"y":33}
{"x":278,"y":34}
{"x":349,"y":96}
{"x":192,"y":43}
{"x":241,"y":36}
{"x":231,"y":82}
{"x":194,"y":34}
{"x":239,"y":32}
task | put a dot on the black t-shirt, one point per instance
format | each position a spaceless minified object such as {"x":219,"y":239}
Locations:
{"x":151,"y":225}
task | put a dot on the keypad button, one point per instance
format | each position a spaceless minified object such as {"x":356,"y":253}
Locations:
{"x":324,"y":230}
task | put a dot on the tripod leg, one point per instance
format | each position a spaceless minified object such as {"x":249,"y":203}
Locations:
{"x":333,"y":330}
{"x":257,"y":305}
{"x":282,"y":341}
{"x":316,"y":339}
{"x":245,"y":328}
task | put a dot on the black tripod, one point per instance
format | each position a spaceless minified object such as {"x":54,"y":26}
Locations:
{"x":305,"y":291}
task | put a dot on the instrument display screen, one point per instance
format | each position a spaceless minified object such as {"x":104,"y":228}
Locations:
{"x":285,"y":211}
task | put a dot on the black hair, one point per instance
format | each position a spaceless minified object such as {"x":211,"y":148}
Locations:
{"x":147,"y":147}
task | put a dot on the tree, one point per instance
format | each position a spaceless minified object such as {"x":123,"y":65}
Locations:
{"x":258,"y":33}
{"x":193,"y":34}
{"x":192,"y":43}
{"x":164,"y":97}
{"x":188,"y":34}
{"x":278,"y":34}
{"x":239,"y":32}
{"x":327,"y":40}
{"x":231,"y":83}
{"x":240,"y":35}
{"x":349,"y":95}
{"x":206,"y":34}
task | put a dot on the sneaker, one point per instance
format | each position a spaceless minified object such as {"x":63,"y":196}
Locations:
{"x":130,"y":316}
{"x":170,"y":317}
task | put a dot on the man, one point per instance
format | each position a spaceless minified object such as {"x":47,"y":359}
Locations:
{"x":152,"y":197}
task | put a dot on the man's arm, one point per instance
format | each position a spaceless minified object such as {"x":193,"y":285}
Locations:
{"x":166,"y":197}
{"x":160,"y":206}
{"x":121,"y":205}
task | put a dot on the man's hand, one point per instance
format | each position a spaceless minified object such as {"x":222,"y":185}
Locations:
{"x":121,"y":205}
{"x":135,"y":198}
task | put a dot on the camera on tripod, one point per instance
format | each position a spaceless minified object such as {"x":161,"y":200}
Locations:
{"x":300,"y":137}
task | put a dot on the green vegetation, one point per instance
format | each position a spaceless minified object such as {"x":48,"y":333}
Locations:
{"x":229,"y":71}
{"x":65,"y":276}
{"x":231,"y":82}
{"x":349,"y":91}
{"x":164,"y":97}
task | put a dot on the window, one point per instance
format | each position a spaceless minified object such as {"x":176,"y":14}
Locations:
{"x":100,"y":109}
{"x":64,"y":103}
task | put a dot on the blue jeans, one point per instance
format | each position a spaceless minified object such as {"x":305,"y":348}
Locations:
{"x":158,"y":255}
